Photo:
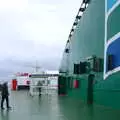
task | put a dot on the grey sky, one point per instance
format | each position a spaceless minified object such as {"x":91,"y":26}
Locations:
{"x":34,"y":30}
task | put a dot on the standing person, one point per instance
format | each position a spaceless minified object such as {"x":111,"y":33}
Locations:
{"x":39,"y":84}
{"x":5,"y":95}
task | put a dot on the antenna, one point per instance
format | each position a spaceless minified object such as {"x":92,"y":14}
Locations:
{"x":37,"y":67}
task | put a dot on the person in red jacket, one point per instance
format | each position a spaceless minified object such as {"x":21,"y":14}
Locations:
{"x":5,"y":95}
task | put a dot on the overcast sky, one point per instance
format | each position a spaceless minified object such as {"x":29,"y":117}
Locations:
{"x":33,"y":30}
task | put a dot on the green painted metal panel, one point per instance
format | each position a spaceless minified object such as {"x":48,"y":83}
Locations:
{"x":113,"y":23}
{"x":88,"y":40}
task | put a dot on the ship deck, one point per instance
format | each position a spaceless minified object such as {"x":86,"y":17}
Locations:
{"x":25,"y":107}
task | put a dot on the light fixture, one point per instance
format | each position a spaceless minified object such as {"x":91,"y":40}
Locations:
{"x":70,"y":35}
{"x":78,"y":17}
{"x":86,"y":1}
{"x":75,"y":23}
{"x":82,"y":9}
{"x":72,"y":30}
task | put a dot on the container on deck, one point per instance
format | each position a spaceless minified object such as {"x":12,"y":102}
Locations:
{"x":14,"y":84}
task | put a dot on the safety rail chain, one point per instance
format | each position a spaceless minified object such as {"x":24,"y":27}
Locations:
{"x":82,"y":8}
{"x":45,"y":89}
{"x":47,"y":85}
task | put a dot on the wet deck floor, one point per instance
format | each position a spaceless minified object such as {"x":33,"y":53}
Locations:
{"x":25,"y":107}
